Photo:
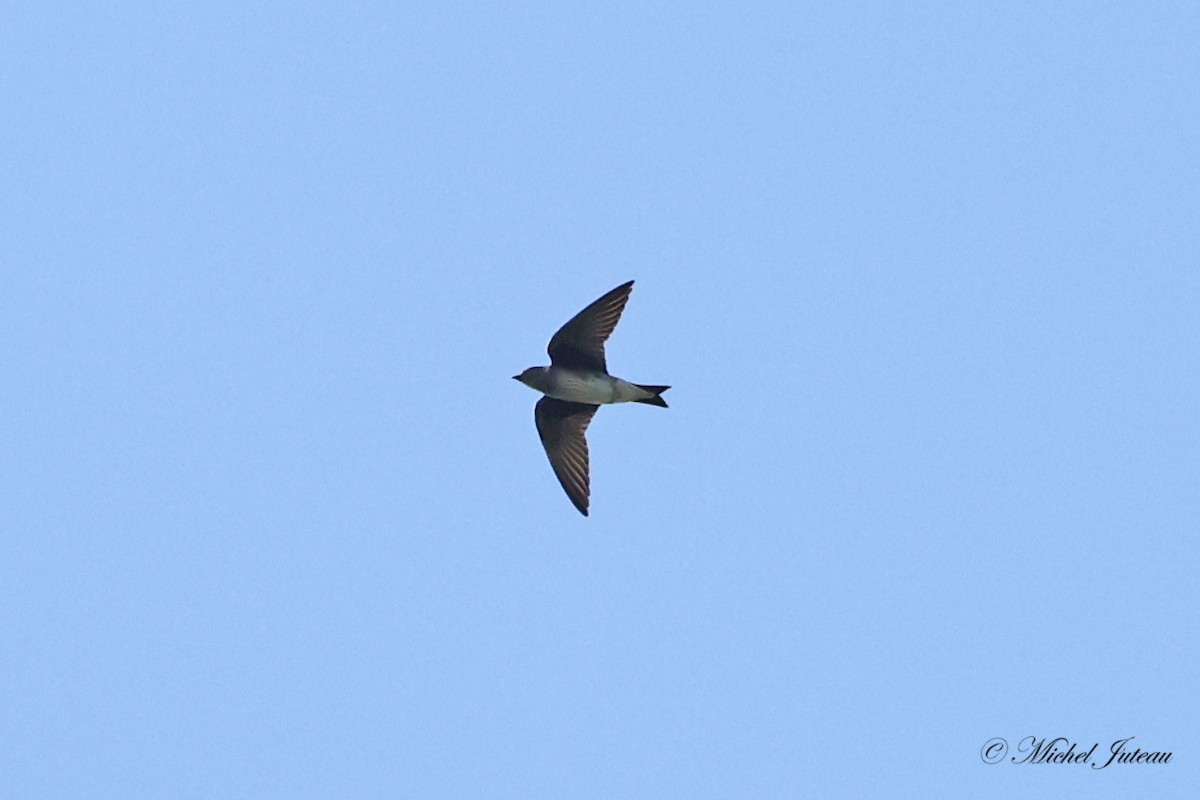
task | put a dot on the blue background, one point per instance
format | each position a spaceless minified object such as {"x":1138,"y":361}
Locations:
{"x":276,"y":522}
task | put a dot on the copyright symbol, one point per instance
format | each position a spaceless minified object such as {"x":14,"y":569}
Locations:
{"x":993,"y":750}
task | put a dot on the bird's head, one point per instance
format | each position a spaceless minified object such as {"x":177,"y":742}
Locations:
{"x":530,"y":377}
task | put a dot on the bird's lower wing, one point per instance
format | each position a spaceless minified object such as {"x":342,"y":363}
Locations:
{"x":561,"y":426}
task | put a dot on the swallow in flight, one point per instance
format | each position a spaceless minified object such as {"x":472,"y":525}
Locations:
{"x":576,"y":384}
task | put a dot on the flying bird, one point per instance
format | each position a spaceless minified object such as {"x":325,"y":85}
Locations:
{"x":576,"y":384}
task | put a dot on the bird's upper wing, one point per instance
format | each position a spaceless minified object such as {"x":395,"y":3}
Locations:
{"x":580,"y":343}
{"x":561,"y":426}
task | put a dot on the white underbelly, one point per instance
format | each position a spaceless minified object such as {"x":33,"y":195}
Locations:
{"x":597,"y":389}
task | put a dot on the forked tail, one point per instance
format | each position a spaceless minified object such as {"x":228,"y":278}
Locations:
{"x":656,"y":400}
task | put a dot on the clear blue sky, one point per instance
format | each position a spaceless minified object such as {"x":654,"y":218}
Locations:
{"x":275,"y":519}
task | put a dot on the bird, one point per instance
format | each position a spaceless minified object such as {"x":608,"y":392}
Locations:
{"x":575,"y":385}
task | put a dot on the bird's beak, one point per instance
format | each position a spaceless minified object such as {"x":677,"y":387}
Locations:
{"x":516,"y":377}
